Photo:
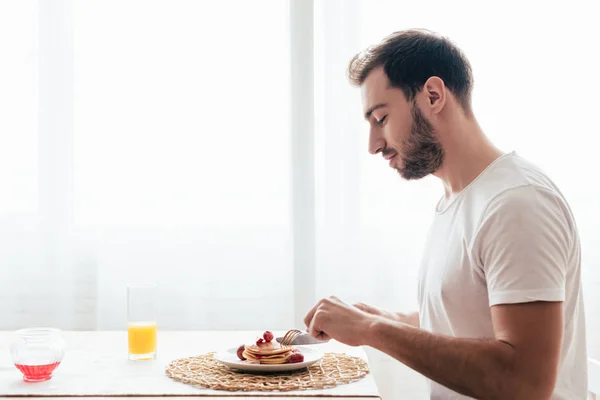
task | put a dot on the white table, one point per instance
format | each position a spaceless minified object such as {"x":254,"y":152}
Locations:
{"x":96,"y":364}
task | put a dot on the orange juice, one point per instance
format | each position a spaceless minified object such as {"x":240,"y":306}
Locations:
{"x":142,"y":338}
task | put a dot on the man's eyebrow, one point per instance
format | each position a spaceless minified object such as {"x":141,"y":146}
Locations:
{"x":375,"y":107}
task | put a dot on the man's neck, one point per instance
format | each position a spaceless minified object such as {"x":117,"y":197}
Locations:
{"x":467,"y":153}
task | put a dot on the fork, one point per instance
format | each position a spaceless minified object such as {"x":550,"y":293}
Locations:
{"x":289,"y":337}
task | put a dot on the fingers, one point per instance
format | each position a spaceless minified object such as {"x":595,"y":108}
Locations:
{"x":364,"y":307}
{"x":367,"y":308}
{"x":323,"y":336}
{"x":316,"y":327}
{"x":312,"y":327}
{"x":309,"y":316}
{"x":317,"y":317}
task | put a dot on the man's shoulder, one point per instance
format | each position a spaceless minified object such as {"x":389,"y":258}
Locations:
{"x":516,"y":188}
{"x":515,"y":181}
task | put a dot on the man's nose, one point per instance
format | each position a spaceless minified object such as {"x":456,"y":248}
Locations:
{"x":376,"y":141}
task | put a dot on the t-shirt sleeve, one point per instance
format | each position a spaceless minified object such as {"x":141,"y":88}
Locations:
{"x":523,"y":245}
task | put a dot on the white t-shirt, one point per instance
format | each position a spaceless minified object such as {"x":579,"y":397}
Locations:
{"x":508,"y":237}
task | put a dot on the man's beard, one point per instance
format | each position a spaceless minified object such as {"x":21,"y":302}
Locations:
{"x":423,"y":153}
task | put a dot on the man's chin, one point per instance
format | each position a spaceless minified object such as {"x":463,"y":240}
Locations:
{"x":411,"y":175}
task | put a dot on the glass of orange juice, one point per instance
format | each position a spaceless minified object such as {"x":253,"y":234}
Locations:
{"x":141,"y":321}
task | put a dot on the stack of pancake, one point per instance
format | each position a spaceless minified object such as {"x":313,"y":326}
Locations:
{"x":267,"y":353}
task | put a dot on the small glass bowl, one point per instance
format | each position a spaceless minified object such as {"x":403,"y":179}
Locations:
{"x":37,"y":352}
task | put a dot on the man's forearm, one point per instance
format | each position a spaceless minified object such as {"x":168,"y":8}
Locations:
{"x":411,"y":319}
{"x":484,"y":369}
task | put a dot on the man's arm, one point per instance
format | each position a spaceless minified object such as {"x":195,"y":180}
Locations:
{"x":520,"y":363}
{"x":411,"y":319}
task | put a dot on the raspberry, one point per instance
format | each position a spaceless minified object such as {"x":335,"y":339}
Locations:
{"x":295,"y":358}
{"x":260,"y":341}
{"x":240,"y":351}
{"x":268,"y":335}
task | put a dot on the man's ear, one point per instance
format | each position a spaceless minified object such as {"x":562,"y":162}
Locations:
{"x":434,"y":90}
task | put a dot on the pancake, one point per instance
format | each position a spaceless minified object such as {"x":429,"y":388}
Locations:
{"x":275,"y":359}
{"x":267,"y":348}
{"x":267,"y":353}
{"x":274,"y":362}
{"x":267,"y":356}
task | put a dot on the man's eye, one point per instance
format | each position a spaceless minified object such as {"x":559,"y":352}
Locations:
{"x":381,"y":121}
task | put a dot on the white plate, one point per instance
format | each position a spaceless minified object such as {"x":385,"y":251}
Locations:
{"x":229,"y":357}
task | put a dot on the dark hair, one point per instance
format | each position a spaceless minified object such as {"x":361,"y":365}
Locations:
{"x":411,"y":57}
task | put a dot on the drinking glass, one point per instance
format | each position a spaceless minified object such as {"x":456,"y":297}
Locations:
{"x":37,"y":352}
{"x":141,"y":321}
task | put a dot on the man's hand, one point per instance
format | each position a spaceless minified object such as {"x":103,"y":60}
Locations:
{"x":520,"y":362}
{"x":375,"y":311}
{"x":331,"y":318}
{"x":410,"y":319}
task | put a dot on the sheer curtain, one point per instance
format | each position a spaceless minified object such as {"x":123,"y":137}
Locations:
{"x":181,"y":157}
{"x":149,"y":143}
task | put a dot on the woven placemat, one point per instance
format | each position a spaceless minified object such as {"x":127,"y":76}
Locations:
{"x":204,"y":371}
